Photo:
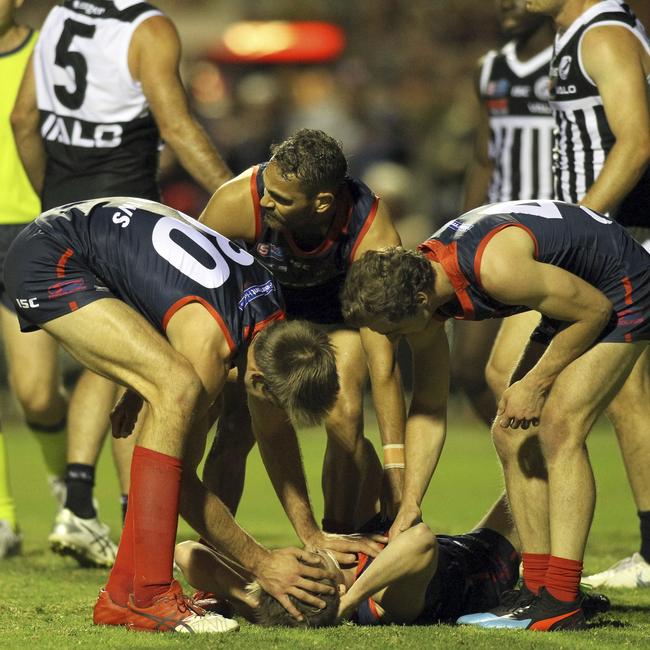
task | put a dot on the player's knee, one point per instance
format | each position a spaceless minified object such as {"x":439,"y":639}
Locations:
{"x":183,"y":555}
{"x":344,"y":423}
{"x":505,"y":442}
{"x":178,"y":391}
{"x":496,"y":379}
{"x":40,"y":403}
{"x":424,"y":541}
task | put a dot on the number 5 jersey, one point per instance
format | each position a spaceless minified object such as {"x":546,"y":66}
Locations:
{"x":152,"y":257}
{"x":99,"y":134}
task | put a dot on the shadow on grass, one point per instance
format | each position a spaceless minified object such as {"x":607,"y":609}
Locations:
{"x":628,"y":609}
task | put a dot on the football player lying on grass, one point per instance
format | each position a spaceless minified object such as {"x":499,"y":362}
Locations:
{"x":418,"y":578}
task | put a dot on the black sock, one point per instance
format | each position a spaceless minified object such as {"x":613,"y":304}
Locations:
{"x":79,"y":480}
{"x":124,"y":500}
{"x":644,"y":518}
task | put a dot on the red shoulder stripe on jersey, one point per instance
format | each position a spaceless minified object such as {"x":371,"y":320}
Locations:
{"x":257,"y":208}
{"x":278,"y":315}
{"x":186,"y":300}
{"x":447,"y":256}
{"x":63,"y":260}
{"x":366,"y":227}
{"x":486,"y":240}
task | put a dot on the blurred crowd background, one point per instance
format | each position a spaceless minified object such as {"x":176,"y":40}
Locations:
{"x":399,"y":96}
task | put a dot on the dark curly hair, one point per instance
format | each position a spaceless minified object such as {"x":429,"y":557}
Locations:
{"x":385,"y":284}
{"x":314,"y":158}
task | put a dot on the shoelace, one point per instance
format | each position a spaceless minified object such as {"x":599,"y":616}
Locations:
{"x":186,"y":604}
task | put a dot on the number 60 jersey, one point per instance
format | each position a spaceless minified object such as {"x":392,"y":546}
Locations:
{"x":99,"y":134}
{"x":152,"y":257}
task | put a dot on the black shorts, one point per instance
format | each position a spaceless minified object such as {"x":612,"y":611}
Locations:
{"x":45,"y":280}
{"x":473,"y":571}
{"x":7,"y":235}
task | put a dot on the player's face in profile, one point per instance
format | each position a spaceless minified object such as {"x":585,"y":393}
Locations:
{"x":515,"y":20}
{"x":284,"y":202}
{"x":547,"y":7}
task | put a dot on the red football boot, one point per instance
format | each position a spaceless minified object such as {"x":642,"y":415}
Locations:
{"x":107,"y":612}
{"x":173,"y":611}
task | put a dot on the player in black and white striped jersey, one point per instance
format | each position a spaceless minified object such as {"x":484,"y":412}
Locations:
{"x":512,"y":160}
{"x":587,"y":127}
{"x":599,"y":94}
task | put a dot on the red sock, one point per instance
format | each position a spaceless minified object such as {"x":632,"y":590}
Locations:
{"x":535,"y":567}
{"x":120,"y":581}
{"x":563,"y":578}
{"x":154,"y":495}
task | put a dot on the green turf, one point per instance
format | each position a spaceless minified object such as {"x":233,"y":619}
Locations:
{"x":46,"y":601}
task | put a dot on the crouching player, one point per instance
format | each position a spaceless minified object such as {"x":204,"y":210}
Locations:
{"x":419,"y":578}
{"x":147,"y":297}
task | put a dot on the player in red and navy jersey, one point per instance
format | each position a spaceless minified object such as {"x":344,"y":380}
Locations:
{"x":419,"y":578}
{"x":590,"y":280}
{"x":304,"y":218}
{"x":152,"y":299}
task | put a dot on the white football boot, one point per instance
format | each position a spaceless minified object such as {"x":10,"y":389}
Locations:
{"x":87,"y":540}
{"x":630,"y":572}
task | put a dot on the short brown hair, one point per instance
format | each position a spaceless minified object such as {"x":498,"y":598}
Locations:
{"x":314,"y":158}
{"x":385,"y":284}
{"x":271,"y":613}
{"x":299,"y":367}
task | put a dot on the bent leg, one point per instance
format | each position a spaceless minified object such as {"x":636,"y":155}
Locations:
{"x":470,"y":353}
{"x":628,"y":413}
{"x":509,"y":347}
{"x":112,"y":339}
{"x":35,"y":378}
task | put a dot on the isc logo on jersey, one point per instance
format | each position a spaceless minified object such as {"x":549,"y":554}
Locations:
{"x":81,"y":134}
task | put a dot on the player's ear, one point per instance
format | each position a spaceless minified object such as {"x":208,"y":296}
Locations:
{"x":422,"y":298}
{"x":324,"y":201}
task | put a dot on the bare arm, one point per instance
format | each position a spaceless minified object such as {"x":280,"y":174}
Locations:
{"x":613,"y":57}
{"x":398,"y":577}
{"x":479,"y":172}
{"x":385,"y":378}
{"x":230,"y":211}
{"x":194,"y":333}
{"x":388,"y":398}
{"x":427,"y":421}
{"x":280,"y":452}
{"x":24,"y":121}
{"x":154,"y":57}
{"x":510,"y":274}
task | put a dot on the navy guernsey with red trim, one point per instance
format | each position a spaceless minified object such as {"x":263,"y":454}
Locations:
{"x":571,"y":237}
{"x":312,"y":280}
{"x":152,"y":257}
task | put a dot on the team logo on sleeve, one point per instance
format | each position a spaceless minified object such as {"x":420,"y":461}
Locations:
{"x":254,"y":292}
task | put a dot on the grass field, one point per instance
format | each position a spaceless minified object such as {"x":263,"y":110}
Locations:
{"x":46,"y":601}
